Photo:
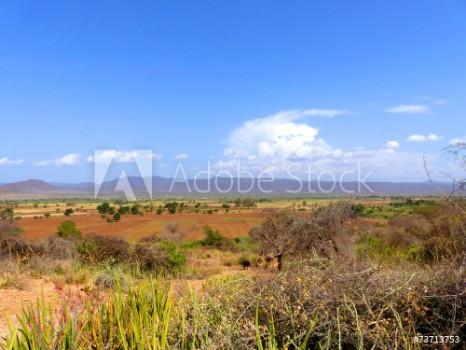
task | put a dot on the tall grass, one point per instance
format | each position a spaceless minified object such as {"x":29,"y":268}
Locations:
{"x":318,"y":307}
{"x":138,"y":319}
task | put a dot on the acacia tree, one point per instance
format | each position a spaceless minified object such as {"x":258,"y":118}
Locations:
{"x":274,"y":235}
{"x":283,"y":233}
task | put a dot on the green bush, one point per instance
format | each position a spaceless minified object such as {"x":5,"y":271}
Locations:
{"x":7,"y":214}
{"x":105,"y":208}
{"x":159,"y":256}
{"x":124,"y":210}
{"x":117,"y":216}
{"x":67,"y":229}
{"x":213,"y":237}
{"x":368,"y":247}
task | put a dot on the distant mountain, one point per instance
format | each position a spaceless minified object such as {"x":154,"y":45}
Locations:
{"x":29,"y":186}
{"x":252,"y":187}
{"x":230,"y":186}
{"x":74,"y":187}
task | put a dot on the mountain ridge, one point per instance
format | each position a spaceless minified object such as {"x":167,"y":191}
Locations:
{"x":232,"y":186}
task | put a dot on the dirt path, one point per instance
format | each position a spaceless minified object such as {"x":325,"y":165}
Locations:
{"x":30,"y":289}
{"x":13,"y":299}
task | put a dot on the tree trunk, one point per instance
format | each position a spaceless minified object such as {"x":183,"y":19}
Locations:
{"x":280,"y":262}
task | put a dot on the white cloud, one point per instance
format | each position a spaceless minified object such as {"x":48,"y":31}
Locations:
{"x":457,"y":141}
{"x":276,"y":142}
{"x":107,"y":156}
{"x":392,"y":144}
{"x":69,"y":159}
{"x":181,"y":156}
{"x":433,"y":100}
{"x":273,"y":143}
{"x":7,"y":161}
{"x":277,"y":138}
{"x":409,"y":109}
{"x":329,"y":113}
{"x":423,"y":138}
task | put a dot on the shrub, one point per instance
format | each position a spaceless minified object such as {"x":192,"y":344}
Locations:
{"x":369,"y":247}
{"x":12,"y":246}
{"x":7,"y":214}
{"x":104,"y":281}
{"x":159,"y":256}
{"x":7,"y":281}
{"x":171,"y":207}
{"x":172,"y":232}
{"x":117,"y":216}
{"x":360,"y":208}
{"x":56,"y":248}
{"x":124,"y":210}
{"x":135,"y":209}
{"x":105,"y":208}
{"x":68,"y":229}
{"x":9,"y":228}
{"x":213,"y":237}
{"x":337,"y":306}
{"x":96,"y":249}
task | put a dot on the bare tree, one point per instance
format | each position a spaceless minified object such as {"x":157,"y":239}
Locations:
{"x":283,"y":233}
{"x":172,"y":232}
{"x":458,"y":212}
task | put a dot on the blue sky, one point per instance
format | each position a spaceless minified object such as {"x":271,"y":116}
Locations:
{"x":260,"y":85}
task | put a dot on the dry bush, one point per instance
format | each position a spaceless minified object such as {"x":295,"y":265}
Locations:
{"x":426,"y":239}
{"x":39,"y":266}
{"x":96,"y":248}
{"x":283,"y":234}
{"x":229,"y":260}
{"x":10,"y":275}
{"x":15,"y":247}
{"x":56,"y":248}
{"x":172,"y":232}
{"x":8,"y":228}
{"x":152,"y":253}
{"x":353,"y":305}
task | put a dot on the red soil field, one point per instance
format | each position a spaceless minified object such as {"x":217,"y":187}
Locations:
{"x":133,"y":227}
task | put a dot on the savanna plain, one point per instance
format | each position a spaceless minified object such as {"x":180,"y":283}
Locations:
{"x":233,"y":273}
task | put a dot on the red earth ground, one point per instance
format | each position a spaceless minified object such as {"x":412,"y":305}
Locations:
{"x":133,"y":227}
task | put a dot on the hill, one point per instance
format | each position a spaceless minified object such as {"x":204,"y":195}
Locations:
{"x":229,"y":186}
{"x":28,"y":186}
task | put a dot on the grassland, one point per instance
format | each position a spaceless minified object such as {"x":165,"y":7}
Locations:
{"x":158,"y":280}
